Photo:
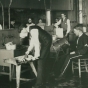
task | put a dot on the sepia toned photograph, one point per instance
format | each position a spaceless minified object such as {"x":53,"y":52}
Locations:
{"x":43,"y":44}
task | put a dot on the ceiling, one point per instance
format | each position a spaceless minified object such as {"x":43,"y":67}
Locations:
{"x":39,"y":4}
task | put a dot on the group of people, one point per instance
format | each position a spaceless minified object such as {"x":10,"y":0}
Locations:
{"x":41,"y":42}
{"x":81,"y":47}
{"x":15,"y":25}
{"x":80,"y":51}
{"x":30,"y":21}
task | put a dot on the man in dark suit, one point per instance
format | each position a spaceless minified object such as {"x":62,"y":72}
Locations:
{"x":81,"y":48}
{"x":41,"y":42}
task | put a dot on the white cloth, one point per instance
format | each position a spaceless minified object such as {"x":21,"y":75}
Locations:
{"x":23,"y":33}
{"x":27,"y":29}
{"x":34,"y":43}
{"x":59,"y":32}
{"x":0,"y":27}
{"x":19,"y":58}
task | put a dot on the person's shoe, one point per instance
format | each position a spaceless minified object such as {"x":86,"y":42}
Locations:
{"x":46,"y":85}
{"x":39,"y":86}
{"x":60,"y":75}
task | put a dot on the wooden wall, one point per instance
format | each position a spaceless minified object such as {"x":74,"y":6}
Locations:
{"x":9,"y":36}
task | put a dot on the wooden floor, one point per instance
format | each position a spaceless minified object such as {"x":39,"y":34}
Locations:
{"x":68,"y":81}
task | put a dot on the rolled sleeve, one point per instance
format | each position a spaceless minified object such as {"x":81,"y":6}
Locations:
{"x":35,"y":36}
{"x":68,"y":26}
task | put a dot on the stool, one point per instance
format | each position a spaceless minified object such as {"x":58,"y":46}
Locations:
{"x":81,"y":65}
{"x":18,"y":70}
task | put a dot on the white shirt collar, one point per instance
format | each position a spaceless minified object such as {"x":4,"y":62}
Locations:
{"x":80,"y":35}
{"x":29,"y":26}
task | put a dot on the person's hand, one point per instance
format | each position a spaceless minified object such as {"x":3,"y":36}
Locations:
{"x":27,"y":52}
{"x":34,"y":58}
{"x":29,"y":58}
{"x":72,"y":52}
{"x":20,"y":59}
{"x":66,"y":35}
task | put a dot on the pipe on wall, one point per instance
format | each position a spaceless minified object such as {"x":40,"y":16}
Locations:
{"x":48,"y":17}
{"x":80,"y":12}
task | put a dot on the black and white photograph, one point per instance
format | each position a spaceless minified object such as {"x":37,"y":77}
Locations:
{"x":43,"y":44}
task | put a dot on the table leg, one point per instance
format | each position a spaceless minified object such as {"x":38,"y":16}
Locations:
{"x":18,"y":70}
{"x":33,"y":68}
{"x":10,"y":74}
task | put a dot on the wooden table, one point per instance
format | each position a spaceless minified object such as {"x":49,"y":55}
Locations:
{"x":11,"y":54}
{"x":5,"y":54}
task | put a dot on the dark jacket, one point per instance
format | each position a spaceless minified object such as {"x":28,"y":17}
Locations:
{"x":64,"y":24}
{"x":44,"y":37}
{"x":82,"y":46}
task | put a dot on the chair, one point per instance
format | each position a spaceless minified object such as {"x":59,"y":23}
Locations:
{"x":81,"y":65}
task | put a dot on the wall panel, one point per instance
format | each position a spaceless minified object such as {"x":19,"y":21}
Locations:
{"x":40,"y":4}
{"x":62,"y":4}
